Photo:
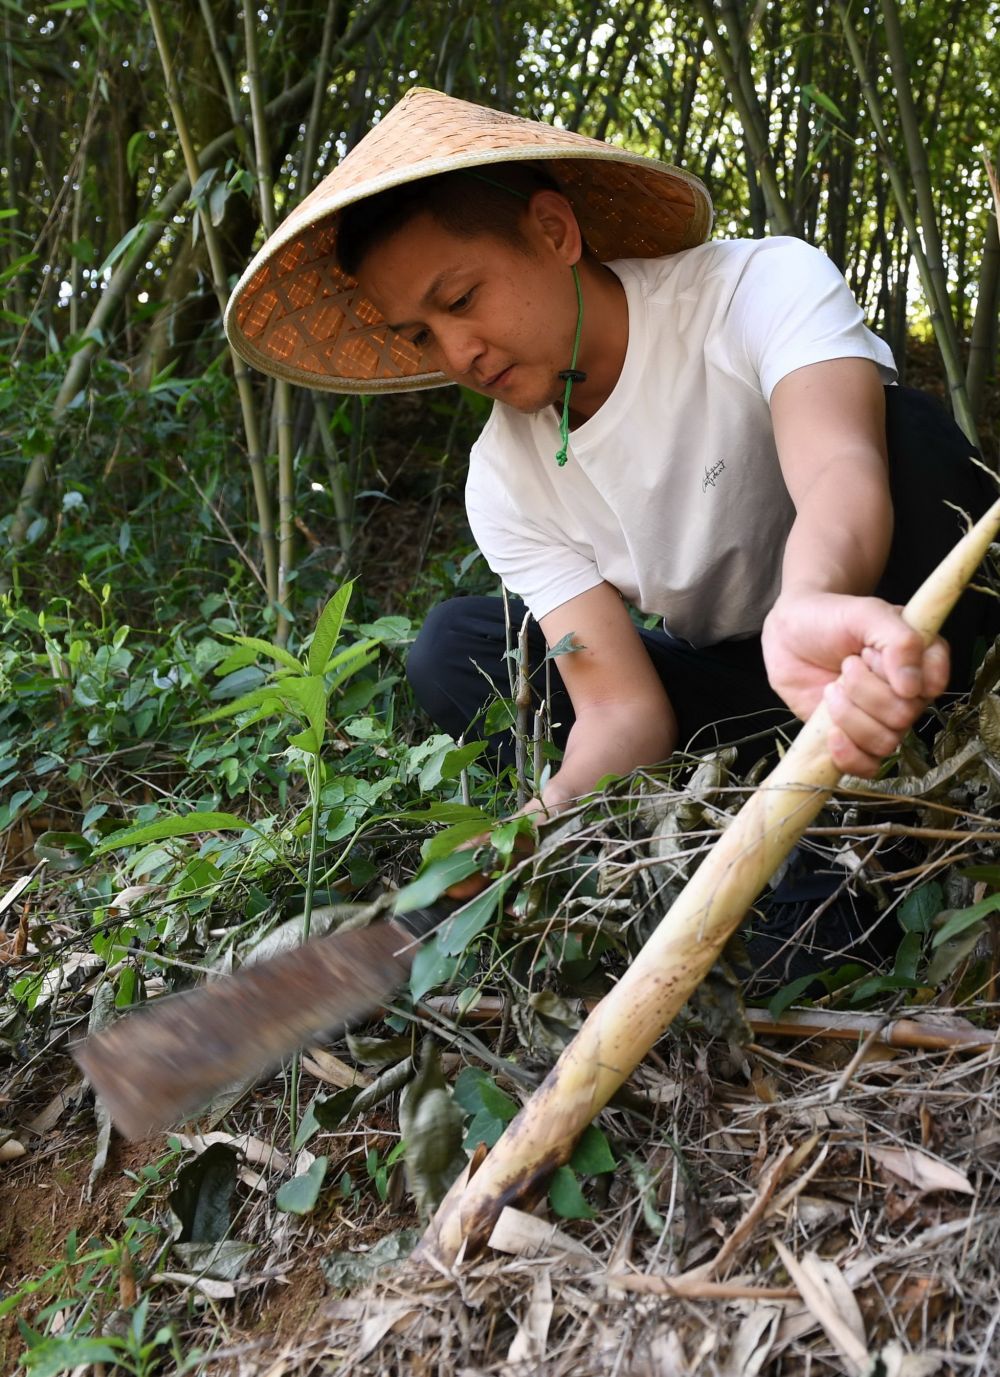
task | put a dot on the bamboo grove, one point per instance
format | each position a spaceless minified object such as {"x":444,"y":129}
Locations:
{"x":146,"y":147}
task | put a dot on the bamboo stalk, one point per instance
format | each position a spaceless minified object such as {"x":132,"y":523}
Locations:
{"x":248,"y":408}
{"x":674,"y":961}
{"x":940,"y":310}
{"x":924,"y":1034}
{"x":282,"y":388}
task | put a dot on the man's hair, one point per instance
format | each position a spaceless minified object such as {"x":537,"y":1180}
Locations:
{"x":490,"y":200}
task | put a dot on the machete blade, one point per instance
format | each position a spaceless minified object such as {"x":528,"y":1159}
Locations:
{"x":158,"y":1065}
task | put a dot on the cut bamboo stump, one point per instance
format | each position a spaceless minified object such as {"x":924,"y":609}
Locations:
{"x":677,"y":957}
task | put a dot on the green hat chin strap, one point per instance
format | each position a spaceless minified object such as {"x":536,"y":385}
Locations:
{"x":571,"y":374}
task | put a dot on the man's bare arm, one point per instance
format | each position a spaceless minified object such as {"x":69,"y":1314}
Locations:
{"x":826,"y":636}
{"x":623,"y":716}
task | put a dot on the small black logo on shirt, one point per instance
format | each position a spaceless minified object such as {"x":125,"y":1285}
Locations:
{"x":711,"y":474}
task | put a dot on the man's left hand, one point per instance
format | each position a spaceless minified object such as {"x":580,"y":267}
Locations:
{"x":860,"y":656}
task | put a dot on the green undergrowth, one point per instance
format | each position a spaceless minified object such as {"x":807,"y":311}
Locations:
{"x":179,"y":800}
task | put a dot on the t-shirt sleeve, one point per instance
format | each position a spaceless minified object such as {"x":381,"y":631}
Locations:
{"x":792,"y":307}
{"x":530,"y":561}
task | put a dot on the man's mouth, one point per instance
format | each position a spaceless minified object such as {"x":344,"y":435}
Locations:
{"x":499,"y":378}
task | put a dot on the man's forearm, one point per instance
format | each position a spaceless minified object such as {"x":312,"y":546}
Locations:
{"x":610,"y":739}
{"x":839,"y":541}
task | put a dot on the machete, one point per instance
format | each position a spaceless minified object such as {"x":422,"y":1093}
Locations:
{"x":159,"y":1065}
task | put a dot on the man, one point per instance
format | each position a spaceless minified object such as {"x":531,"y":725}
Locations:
{"x":697,"y":429}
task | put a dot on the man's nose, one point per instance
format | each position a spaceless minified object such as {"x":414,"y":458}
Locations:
{"x":460,"y":347}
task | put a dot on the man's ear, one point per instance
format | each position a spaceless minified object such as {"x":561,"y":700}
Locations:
{"x":553,"y":218}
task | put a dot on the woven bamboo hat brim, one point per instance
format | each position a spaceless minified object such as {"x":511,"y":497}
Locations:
{"x":295,"y":314}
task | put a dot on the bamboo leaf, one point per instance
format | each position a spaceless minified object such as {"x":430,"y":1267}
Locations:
{"x":965,"y":917}
{"x":186,"y":826}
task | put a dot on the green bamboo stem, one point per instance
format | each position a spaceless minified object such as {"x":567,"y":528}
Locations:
{"x":251,"y":427}
{"x":939,"y":310}
{"x":983,"y":340}
{"x":628,"y":1021}
{"x":282,"y":389}
{"x":916,"y":156}
{"x":310,"y":144}
{"x":740,"y":84}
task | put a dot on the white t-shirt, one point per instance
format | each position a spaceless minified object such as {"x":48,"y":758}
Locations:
{"x":672,"y":492}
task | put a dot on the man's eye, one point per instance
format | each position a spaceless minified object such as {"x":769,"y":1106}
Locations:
{"x":421,"y":339}
{"x":461,"y":302}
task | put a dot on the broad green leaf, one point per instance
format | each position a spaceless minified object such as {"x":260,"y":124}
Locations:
{"x":468,"y":1089}
{"x":908,"y":956}
{"x":305,"y":740}
{"x":498,"y":1104}
{"x":299,"y":1195}
{"x":346,"y":665}
{"x":788,"y":994}
{"x":307,"y":696}
{"x":273,"y":652}
{"x":919,"y":909}
{"x":431,"y":967}
{"x":456,"y":934}
{"x":327,"y":631}
{"x":592,"y":1156}
{"x":460,"y":758}
{"x":434,"y":879}
{"x":449,"y":841}
{"x":484,"y":1128}
{"x":127,"y":984}
{"x":879,"y":984}
{"x":63,"y":850}
{"x":965,"y":917}
{"x":185,"y":826}
{"x":203,"y":1193}
{"x":331,"y":1112}
{"x":566,"y":1197}
{"x":358,"y":648}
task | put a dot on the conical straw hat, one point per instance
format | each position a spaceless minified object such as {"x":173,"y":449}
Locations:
{"x":295,"y":314}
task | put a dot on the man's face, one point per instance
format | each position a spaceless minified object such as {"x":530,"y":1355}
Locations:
{"x":495,"y":316}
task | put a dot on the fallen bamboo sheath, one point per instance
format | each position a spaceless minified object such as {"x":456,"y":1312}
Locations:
{"x":678,"y":955}
{"x":927,"y":1033}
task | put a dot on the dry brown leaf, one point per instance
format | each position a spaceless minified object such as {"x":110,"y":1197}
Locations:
{"x":326,"y":1067}
{"x":48,"y":1117}
{"x":390,"y":1315}
{"x":130,"y":895}
{"x":253,"y":1149}
{"x":827,"y":1294}
{"x":920,"y":1169}
{"x":207,"y":1286}
{"x":896,"y":1363}
{"x":532,"y":1335}
{"x":525,"y":1235}
{"x":753,"y":1342}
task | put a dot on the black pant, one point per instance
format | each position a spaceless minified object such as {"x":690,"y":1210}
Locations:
{"x":720,"y":693}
